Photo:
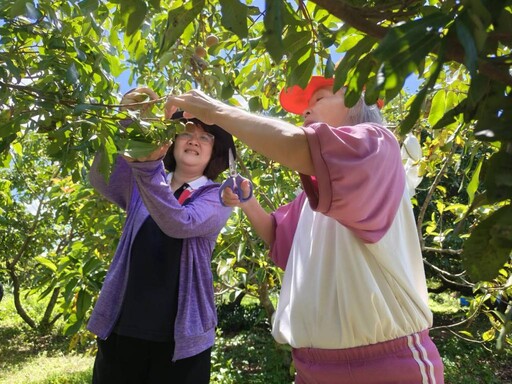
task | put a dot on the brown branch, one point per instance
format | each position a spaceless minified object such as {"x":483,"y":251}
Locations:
{"x":357,"y":18}
{"x":306,"y":14}
{"x":352,"y":16}
{"x":28,"y":239}
{"x":45,"y":321}
{"x":441,"y":271}
{"x":23,"y":88}
{"x":387,"y":11}
{"x":17,"y":301}
{"x":440,"y":250}
{"x":36,"y":93}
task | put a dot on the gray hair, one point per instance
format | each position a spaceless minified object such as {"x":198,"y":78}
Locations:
{"x":364,"y":113}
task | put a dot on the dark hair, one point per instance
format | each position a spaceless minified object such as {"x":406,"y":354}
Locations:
{"x":219,"y":161}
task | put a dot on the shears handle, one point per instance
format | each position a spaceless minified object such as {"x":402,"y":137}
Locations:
{"x":235,"y":183}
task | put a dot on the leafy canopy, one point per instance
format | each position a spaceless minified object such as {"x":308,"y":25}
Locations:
{"x":60,"y":61}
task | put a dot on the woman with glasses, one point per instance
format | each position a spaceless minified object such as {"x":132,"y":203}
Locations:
{"x":155,"y":317}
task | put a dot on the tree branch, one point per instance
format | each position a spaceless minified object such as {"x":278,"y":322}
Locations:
{"x":37,"y":218}
{"x":352,"y":16}
{"x":357,"y":18}
{"x":17,"y":302}
{"x":441,"y":250}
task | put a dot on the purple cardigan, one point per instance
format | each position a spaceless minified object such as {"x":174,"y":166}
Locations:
{"x":141,"y":189}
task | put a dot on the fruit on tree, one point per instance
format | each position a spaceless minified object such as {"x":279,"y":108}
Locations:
{"x":211,"y":40}
{"x":200,"y":51}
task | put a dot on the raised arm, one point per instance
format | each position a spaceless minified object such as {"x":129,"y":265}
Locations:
{"x":273,"y":138}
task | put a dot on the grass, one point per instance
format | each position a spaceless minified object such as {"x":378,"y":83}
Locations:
{"x":244,"y":352}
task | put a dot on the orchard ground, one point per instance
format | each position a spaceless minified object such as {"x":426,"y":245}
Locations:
{"x":244,"y":352}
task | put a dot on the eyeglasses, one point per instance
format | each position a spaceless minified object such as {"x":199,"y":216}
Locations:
{"x":204,"y":138}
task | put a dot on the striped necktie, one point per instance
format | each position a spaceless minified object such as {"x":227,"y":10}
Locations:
{"x":183,"y":193}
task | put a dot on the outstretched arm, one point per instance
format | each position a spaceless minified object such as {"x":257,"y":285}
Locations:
{"x":273,"y":138}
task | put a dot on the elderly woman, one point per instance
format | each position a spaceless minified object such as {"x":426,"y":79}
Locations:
{"x":353,"y":302}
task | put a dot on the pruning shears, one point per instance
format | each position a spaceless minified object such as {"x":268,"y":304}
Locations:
{"x":234,"y":181}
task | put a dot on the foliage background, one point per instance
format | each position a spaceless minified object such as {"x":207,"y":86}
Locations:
{"x":59,"y":94}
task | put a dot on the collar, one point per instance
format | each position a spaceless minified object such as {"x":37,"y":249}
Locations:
{"x":194,"y":184}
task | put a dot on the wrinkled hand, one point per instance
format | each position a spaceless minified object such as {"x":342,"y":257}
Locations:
{"x":230,"y":198}
{"x":195,"y":104}
{"x":157,"y":154}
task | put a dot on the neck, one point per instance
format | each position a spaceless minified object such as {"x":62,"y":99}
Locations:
{"x":179,"y":177}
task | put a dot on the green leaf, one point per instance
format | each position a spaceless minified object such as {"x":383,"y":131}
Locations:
{"x":88,"y":5}
{"x":350,"y":60}
{"x":416,"y":105}
{"x":234,"y":17}
{"x":83,"y":302}
{"x":506,"y":329}
{"x":166,"y":58}
{"x":301,"y":74}
{"x":9,"y":126}
{"x":329,"y":68}
{"x":72,"y":325}
{"x":468,"y":43}
{"x":273,"y":21}
{"x":358,"y":81}
{"x":438,"y":107}
{"x":107,"y":157}
{"x":19,"y":8}
{"x":489,"y":246}
{"x":46,"y":262}
{"x":473,"y":184}
{"x":155,"y":4}
{"x":92,"y":266}
{"x":72,"y":75}
{"x":326,"y":36}
{"x":177,"y":20}
{"x":80,"y":108}
{"x":405,"y":47}
{"x":295,"y":41}
{"x":254,"y":104}
{"x":414,"y":112}
{"x":134,"y":13}
{"x":135,"y":149}
{"x":450,"y":116}
{"x":503,"y":24}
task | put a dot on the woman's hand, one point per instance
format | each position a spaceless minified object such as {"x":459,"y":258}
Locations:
{"x":136,"y":99}
{"x":230,"y":199}
{"x":157,"y":154}
{"x":195,"y":104}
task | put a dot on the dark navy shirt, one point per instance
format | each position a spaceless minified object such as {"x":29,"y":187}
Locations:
{"x":151,"y":298}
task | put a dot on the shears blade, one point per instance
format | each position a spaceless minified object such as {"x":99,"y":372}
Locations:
{"x":232,"y":163}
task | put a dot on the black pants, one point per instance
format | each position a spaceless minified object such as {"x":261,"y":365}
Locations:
{"x":127,"y":360}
